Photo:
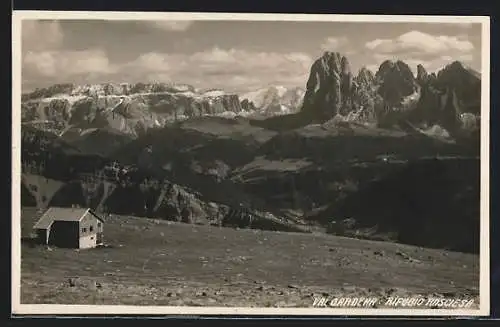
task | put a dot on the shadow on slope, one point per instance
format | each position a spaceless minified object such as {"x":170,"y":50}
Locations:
{"x":346,"y":142}
{"x":99,"y":141}
{"x":283,"y":123}
{"x":431,"y":203}
{"x":175,"y":143}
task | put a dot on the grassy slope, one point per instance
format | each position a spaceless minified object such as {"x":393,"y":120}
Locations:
{"x":161,"y":263}
{"x":43,"y":189}
{"x":302,"y":170}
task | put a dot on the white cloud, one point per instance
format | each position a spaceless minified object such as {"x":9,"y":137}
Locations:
{"x":44,"y":59}
{"x":249,"y":60}
{"x":223,"y":68}
{"x":372,"y":67}
{"x":229,"y":69}
{"x":430,"y":64}
{"x":423,"y":43}
{"x":414,"y":48}
{"x":465,"y":57}
{"x":171,"y":25}
{"x":334,"y":43}
{"x":39,"y":35}
{"x":41,"y":63}
{"x":152,"y":61}
{"x":64,"y":64}
{"x":216,"y":56}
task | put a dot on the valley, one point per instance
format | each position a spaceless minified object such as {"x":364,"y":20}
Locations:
{"x":360,"y":184}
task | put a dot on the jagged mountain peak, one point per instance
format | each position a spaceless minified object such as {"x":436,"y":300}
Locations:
{"x":328,"y":86}
{"x":331,"y":54}
{"x":459,"y":68}
{"x":455,"y":65}
{"x":126,"y":107}
{"x":457,"y":73}
{"x":365,"y":76}
{"x":334,"y":61}
{"x":392,"y":95}
{"x":365,"y":71}
{"x":273,"y":99}
{"x":421,"y":73}
{"x":394,"y":66}
{"x":106,"y":89}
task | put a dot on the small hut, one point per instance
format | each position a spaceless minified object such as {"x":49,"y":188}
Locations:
{"x":70,"y":228}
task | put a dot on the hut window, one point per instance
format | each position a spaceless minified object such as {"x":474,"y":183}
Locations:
{"x":84,"y":229}
{"x":98,"y":224}
{"x":91,"y":228}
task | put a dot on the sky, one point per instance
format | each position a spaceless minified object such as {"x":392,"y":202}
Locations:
{"x":236,"y":56}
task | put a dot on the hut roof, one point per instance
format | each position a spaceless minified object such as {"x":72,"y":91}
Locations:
{"x":62,"y":214}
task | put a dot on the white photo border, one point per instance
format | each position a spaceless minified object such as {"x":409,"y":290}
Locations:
{"x":55,"y":309}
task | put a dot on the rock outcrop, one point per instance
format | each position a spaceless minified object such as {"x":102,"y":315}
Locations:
{"x":452,"y":98}
{"x":465,"y":83}
{"x":248,"y":105}
{"x":440,"y":209}
{"x":329,"y":89}
{"x":130,"y":109}
{"x":396,"y":83}
{"x":365,"y":78}
{"x":393,"y":96}
{"x":333,"y":92}
{"x":365,"y":97}
{"x":273,"y":100}
{"x":422,"y":75}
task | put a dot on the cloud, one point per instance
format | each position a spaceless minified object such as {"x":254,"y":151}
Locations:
{"x":430,"y":64}
{"x":152,"y":61}
{"x":223,"y":68}
{"x":372,"y":67}
{"x":414,"y":48}
{"x":171,"y":25}
{"x":38,"y":35}
{"x":216,"y":56}
{"x":65,"y":64}
{"x":420,"y":43}
{"x":242,"y":69}
{"x":230,"y":69}
{"x":334,"y":43}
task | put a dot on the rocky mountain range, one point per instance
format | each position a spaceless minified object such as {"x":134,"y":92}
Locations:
{"x":131,"y":109}
{"x":448,"y":99}
{"x":125,"y":108}
{"x":273,"y":100}
{"x":289,"y":157}
{"x":393,"y":96}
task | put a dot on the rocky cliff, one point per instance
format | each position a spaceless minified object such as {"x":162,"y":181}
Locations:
{"x":273,"y":100}
{"x":393,"y":96}
{"x":329,"y":89}
{"x":127,"y":108}
{"x":396,"y":84}
{"x":451,"y":98}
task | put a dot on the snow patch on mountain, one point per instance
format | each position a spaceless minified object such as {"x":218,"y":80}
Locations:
{"x":129,"y":108}
{"x":213,"y":93}
{"x":67,"y":97}
{"x":275,"y":99}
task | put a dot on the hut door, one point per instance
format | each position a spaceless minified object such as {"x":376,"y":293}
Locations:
{"x":99,"y":238}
